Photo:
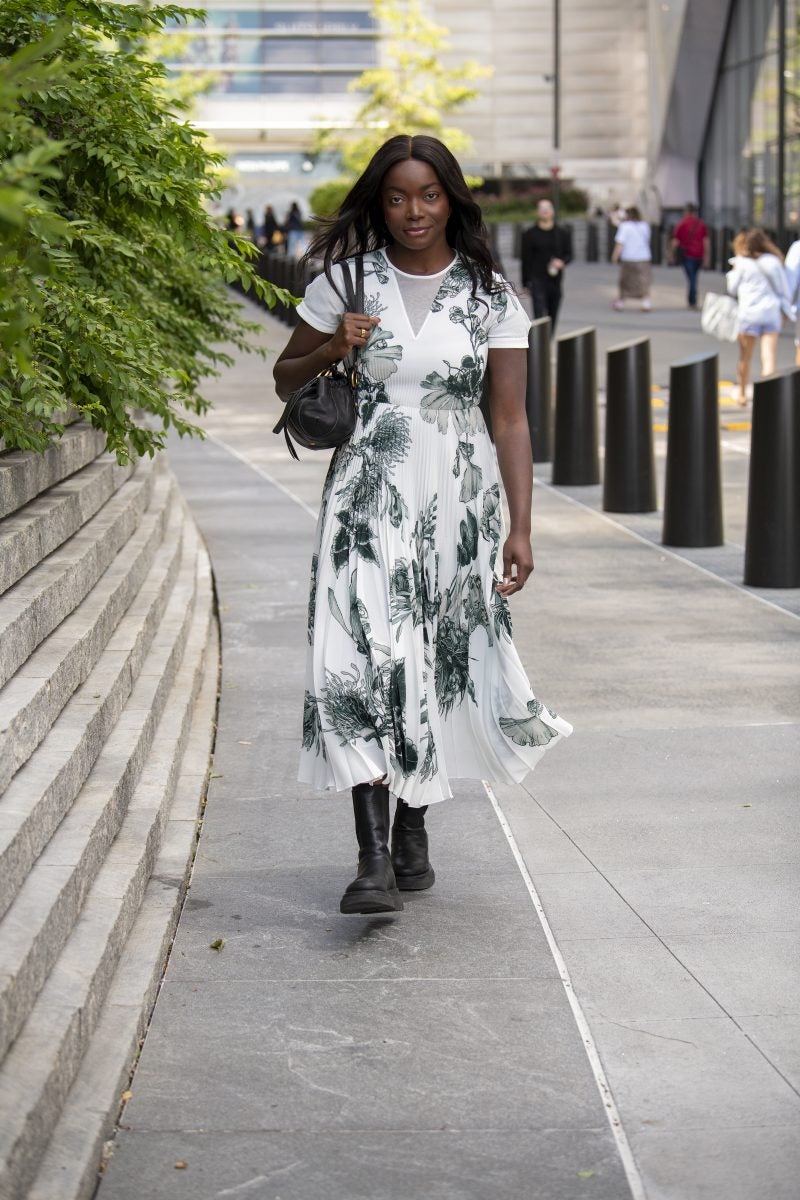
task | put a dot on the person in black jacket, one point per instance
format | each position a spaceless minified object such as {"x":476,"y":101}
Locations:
{"x":546,"y":250}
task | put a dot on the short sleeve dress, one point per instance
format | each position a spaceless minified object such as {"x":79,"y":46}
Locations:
{"x":411,"y":670}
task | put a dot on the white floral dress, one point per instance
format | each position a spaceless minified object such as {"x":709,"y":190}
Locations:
{"x":411,"y":669}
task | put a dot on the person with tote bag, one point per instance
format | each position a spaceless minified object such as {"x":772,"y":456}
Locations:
{"x":758,"y":282}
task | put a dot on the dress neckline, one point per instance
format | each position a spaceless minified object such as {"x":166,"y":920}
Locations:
{"x":432,"y":275}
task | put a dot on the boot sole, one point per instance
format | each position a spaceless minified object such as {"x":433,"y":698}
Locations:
{"x":371,"y":902}
{"x":416,"y":883}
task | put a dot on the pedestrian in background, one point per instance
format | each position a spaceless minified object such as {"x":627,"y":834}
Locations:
{"x":792,"y":268}
{"x":412,"y":674}
{"x":758,"y":281}
{"x":690,"y":243}
{"x":546,"y":250}
{"x":293,"y":230}
{"x":632,"y":252}
{"x":270,"y":228}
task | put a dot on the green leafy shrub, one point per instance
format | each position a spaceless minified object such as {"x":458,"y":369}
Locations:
{"x":112,"y":295}
{"x":326,"y":199}
{"x":520,"y":206}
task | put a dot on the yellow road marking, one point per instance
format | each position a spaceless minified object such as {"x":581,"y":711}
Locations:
{"x":736,"y":425}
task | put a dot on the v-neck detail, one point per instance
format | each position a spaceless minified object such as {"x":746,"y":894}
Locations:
{"x":444,"y":274}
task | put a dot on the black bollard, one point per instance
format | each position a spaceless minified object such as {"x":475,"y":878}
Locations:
{"x":494,"y":244}
{"x":575,"y":457}
{"x":539,"y":392}
{"x":693,"y":488}
{"x":592,"y":242}
{"x":629,"y":472}
{"x":772,"y":546}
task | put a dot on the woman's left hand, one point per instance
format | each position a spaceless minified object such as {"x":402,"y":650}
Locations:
{"x":516,"y":553}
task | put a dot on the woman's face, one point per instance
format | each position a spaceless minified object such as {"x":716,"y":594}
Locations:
{"x":416,"y":207}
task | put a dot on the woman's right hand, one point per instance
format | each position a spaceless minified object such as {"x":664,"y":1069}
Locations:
{"x":353,"y":333}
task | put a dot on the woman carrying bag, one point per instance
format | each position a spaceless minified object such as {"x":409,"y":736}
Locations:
{"x":758,"y":282}
{"x":412,"y":675}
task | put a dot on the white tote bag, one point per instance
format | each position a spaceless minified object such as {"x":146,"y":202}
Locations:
{"x":720,"y":317}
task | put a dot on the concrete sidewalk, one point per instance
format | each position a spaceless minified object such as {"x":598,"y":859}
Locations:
{"x":437,"y":1054}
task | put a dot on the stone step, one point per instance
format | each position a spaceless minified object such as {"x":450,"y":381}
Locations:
{"x":70,"y":1165}
{"x":34,"y":531}
{"x":42,"y":791}
{"x":46,"y":907}
{"x":67,"y":416}
{"x":41,"y":1066}
{"x":34,"y":606}
{"x":31,"y":701}
{"x":24,"y":474}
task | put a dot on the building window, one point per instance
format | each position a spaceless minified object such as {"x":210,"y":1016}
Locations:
{"x":740,"y":177}
{"x":264,"y":51}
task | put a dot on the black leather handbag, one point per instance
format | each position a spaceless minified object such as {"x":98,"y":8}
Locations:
{"x":322,"y":413}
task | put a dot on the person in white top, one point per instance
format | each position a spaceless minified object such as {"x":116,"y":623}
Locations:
{"x":758,"y":281}
{"x":632,"y":252}
{"x":792,"y":268}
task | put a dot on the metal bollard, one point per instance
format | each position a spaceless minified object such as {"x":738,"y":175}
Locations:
{"x":629,"y":473}
{"x":772,"y":545}
{"x":539,"y":391}
{"x":693,"y":488}
{"x":592,"y":243}
{"x":494,"y":245}
{"x":575,"y":457}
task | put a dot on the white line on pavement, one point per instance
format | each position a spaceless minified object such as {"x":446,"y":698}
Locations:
{"x":728,"y":445}
{"x":623,"y":1145}
{"x":312,"y":512}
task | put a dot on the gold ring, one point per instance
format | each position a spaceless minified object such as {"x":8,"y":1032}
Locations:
{"x":363,"y":333}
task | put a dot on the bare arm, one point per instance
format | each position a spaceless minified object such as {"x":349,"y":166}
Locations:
{"x":507,"y":377}
{"x":308,"y":351}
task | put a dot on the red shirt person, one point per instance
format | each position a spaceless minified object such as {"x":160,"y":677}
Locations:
{"x":690,"y":236}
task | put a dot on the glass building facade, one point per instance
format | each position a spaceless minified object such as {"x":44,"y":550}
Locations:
{"x":258,"y":50}
{"x":750,"y":165}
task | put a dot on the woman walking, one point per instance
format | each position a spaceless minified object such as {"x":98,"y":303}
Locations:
{"x":412,"y":676}
{"x":758,"y":281}
{"x":632,"y":252}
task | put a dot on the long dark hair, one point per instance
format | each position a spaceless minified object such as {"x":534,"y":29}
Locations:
{"x":359,"y":225}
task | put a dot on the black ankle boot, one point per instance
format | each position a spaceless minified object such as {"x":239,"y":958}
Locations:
{"x":374,"y":889}
{"x":412,"y":869}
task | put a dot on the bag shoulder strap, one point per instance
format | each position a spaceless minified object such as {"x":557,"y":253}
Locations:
{"x":354,"y":298}
{"x":769,"y":279}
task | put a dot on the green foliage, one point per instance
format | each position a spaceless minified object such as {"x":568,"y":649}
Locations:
{"x":572,"y":202}
{"x":112,"y":295}
{"x":412,"y":92}
{"x":326,"y":199}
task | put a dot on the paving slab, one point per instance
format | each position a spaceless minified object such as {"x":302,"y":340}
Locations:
{"x":662,"y":843}
{"x":440,"y":1165}
{"x":450,"y":1018}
